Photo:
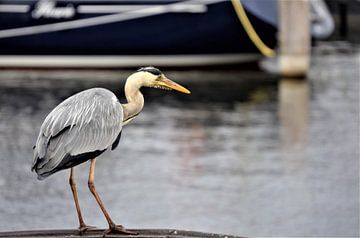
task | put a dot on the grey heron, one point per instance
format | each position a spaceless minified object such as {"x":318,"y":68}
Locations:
{"x":86,"y":124}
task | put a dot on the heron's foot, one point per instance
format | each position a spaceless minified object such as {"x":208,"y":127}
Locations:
{"x":118,"y":229}
{"x":83,"y":228}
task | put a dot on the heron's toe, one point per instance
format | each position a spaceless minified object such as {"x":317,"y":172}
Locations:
{"x":119,"y":229}
{"x":84,"y":228}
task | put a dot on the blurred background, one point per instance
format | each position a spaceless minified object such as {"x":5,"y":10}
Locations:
{"x":267,"y":144}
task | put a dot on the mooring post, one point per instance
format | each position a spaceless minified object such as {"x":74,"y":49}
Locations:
{"x":343,"y":12}
{"x":294,"y":37}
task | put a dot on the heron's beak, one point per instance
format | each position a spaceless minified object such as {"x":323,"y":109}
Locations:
{"x":165,"y":82}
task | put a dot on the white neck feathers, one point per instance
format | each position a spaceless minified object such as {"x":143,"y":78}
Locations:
{"x":135,"y":99}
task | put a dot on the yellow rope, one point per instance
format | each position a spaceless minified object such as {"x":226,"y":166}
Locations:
{"x":240,"y":11}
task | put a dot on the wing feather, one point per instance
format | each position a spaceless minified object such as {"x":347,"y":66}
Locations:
{"x":92,"y":119}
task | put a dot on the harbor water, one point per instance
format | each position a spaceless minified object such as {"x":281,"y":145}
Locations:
{"x":244,"y":154}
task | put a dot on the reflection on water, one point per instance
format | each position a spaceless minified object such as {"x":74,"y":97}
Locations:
{"x":229,"y":162}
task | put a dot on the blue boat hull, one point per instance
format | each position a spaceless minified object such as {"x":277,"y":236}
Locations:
{"x":149,"y":28}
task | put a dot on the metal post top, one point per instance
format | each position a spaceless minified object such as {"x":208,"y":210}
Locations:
{"x":143,"y":233}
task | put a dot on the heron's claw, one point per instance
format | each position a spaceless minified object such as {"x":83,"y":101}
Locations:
{"x":84,"y":228}
{"x":119,"y":229}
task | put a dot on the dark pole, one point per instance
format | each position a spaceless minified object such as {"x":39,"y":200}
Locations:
{"x":343,"y":11}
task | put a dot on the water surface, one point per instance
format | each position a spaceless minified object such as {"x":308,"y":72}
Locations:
{"x":256,"y":159}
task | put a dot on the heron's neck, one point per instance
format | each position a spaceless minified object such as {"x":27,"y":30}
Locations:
{"x":135,"y":99}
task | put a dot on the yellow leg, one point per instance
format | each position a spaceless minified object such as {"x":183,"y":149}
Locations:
{"x":82,"y":227}
{"x":112,"y":227}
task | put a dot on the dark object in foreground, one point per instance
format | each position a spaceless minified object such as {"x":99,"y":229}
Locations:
{"x":99,"y":233}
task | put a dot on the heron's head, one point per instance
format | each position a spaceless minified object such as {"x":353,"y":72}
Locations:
{"x":154,"y":78}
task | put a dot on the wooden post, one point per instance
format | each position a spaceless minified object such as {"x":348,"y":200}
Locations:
{"x":295,"y":39}
{"x":294,"y":112}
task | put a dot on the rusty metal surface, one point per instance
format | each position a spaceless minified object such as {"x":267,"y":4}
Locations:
{"x":146,"y":233}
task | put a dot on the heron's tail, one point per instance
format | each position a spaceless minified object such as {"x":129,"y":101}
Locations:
{"x":41,"y":174}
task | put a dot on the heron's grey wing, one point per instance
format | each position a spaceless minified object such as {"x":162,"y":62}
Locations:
{"x":88,"y":121}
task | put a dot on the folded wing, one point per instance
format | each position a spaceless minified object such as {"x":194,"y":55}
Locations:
{"x":80,"y":128}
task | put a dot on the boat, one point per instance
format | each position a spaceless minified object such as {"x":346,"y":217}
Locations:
{"x":127,"y":33}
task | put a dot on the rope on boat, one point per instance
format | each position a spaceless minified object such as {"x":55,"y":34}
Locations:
{"x":254,"y":37}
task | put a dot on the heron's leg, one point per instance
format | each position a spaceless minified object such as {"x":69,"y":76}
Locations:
{"x":112,"y":226}
{"x":82,"y":227}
